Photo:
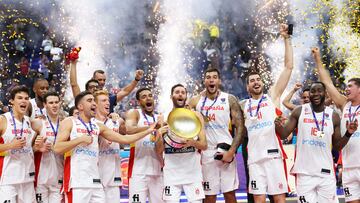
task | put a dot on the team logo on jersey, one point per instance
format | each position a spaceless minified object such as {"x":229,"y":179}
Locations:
{"x":253,"y":185}
{"x":223,"y":101}
{"x":302,"y":199}
{"x":347,"y":192}
{"x":167,"y":191}
{"x":136,"y":198}
{"x":206,"y":186}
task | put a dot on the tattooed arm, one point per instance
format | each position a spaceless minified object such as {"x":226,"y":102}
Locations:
{"x":238,"y":121}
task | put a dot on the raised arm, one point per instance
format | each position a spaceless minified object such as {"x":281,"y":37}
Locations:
{"x":324,"y":75}
{"x":193,"y":102}
{"x":281,"y":83}
{"x":62,"y":143}
{"x":110,"y":135}
{"x":287,"y":100}
{"x":130,"y":87}
{"x":73,"y":78}
{"x":238,"y":121}
{"x":339,"y":141}
{"x":131,"y":122}
{"x":285,"y":130}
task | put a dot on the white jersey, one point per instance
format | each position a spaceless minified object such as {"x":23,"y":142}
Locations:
{"x":109,"y":157}
{"x":182,"y":166}
{"x":17,"y":165}
{"x":351,"y":150}
{"x":217,"y":128}
{"x":36,"y":111}
{"x":143,"y":158}
{"x":313,"y":152}
{"x":81,"y":163}
{"x":263,"y":141}
{"x":49,"y":166}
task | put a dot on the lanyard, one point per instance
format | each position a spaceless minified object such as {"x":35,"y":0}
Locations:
{"x":352,"y":116}
{"x":91,"y":129}
{"x":147,"y":120}
{"x":203,"y":104}
{"x":257,"y":109}
{"x":52,"y":127}
{"x":22,"y":124}
{"x":317,"y":123}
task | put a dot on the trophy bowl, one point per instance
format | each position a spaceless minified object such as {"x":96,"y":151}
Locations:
{"x":184,"y":124}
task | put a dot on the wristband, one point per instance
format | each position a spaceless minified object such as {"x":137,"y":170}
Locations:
{"x":137,"y":80}
{"x":347,"y":134}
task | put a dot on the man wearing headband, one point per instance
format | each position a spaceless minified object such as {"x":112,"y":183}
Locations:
{"x":49,"y":167}
{"x":145,"y":176}
{"x":182,"y":166}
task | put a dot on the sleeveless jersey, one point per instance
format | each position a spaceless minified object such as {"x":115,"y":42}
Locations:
{"x":109,"y":157}
{"x":263,"y":141}
{"x":17,"y":165}
{"x":181,"y":166}
{"x":217,"y":127}
{"x":36,"y":111}
{"x":81,"y":163}
{"x":49,"y":166}
{"x":313,"y":152}
{"x":351,"y":151}
{"x":143,"y":158}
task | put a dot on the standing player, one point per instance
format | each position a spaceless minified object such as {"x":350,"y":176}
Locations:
{"x":318,"y":130}
{"x":17,"y":169}
{"x":109,"y":152}
{"x":36,"y":109}
{"x":49,"y":166}
{"x":350,"y":106}
{"x":182,"y":167}
{"x":304,"y":97}
{"x":145,"y":176}
{"x":78,"y":136}
{"x":218,"y":109}
{"x":265,"y":153}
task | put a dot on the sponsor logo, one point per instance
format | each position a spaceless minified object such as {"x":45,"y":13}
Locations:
{"x":302,"y":199}
{"x":315,"y":143}
{"x":167,"y":191}
{"x":206,"y":186}
{"x":39,"y":198}
{"x":109,"y":152}
{"x":261,"y":125}
{"x":253,"y":185}
{"x":356,"y":134}
{"x":136,"y":198}
{"x":214,"y":126}
{"x":148,"y":144}
{"x":86,"y":152}
{"x":347,"y":192}
{"x":21,"y":151}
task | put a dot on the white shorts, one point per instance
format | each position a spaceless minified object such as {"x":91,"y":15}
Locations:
{"x":143,"y":187}
{"x":48,"y":194}
{"x":19,"y":193}
{"x":220,"y":177}
{"x":351,"y":183}
{"x":316,"y":189}
{"x":193,"y":191}
{"x":85,"y":195}
{"x":112,"y":194}
{"x":268,"y":177}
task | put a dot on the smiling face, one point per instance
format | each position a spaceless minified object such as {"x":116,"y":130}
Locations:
{"x":20,"y":102}
{"x":178,"y":97}
{"x":212,"y":82}
{"x":255,"y":85}
{"x":103,"y":104}
{"x":305,"y":97}
{"x":352,"y":91}
{"x":52,"y":105}
{"x":317,"y":94}
{"x":146,"y":101}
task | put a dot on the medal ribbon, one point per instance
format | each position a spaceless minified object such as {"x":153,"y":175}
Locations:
{"x":317,"y":123}
{"x":352,"y":116}
{"x":258,"y":107}
{"x":147,"y":120}
{"x":91,"y":129}
{"x":22,"y":124}
{"x":203,"y":104}
{"x":55,"y":131}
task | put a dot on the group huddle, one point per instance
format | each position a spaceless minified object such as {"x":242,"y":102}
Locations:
{"x":46,"y":157}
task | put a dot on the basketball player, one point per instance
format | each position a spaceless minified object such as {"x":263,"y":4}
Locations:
{"x":109,"y":152}
{"x":78,"y":136}
{"x":318,"y":130}
{"x":349,"y":105}
{"x":36,"y":109}
{"x":182,"y":167}
{"x":49,"y":166}
{"x":304,"y":97}
{"x":218,"y":108}
{"x":265,"y":153}
{"x":145,"y":176}
{"x":17,"y":169}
